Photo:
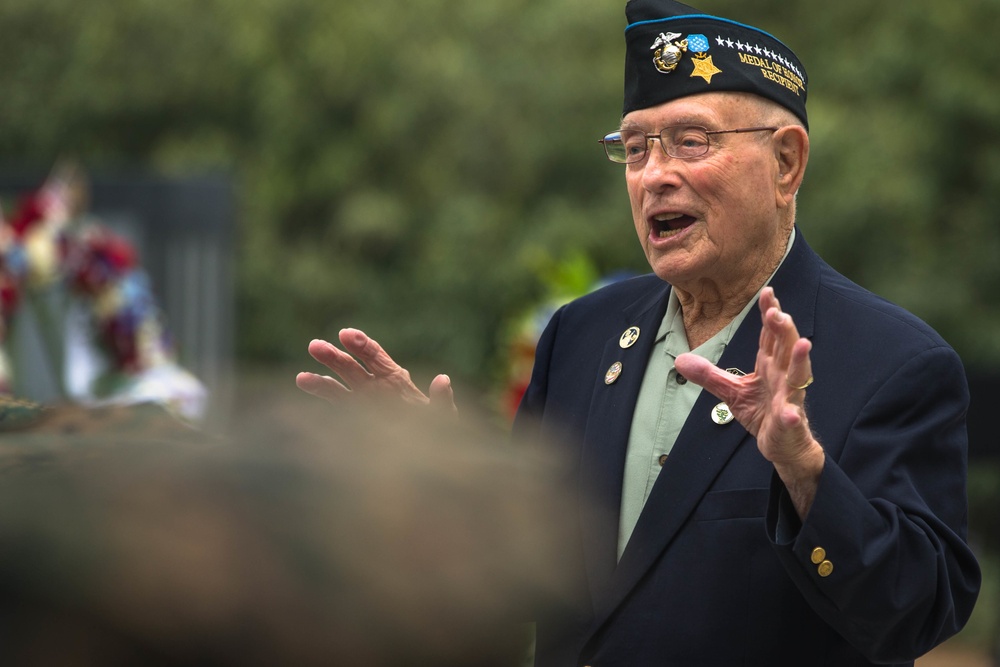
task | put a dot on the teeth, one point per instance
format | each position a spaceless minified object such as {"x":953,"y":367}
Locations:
{"x":664,"y":233}
{"x":665,"y":217}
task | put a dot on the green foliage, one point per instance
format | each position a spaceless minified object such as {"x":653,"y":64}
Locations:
{"x":415,"y":167}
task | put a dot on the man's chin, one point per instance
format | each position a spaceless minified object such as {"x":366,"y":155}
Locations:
{"x":667,"y":267}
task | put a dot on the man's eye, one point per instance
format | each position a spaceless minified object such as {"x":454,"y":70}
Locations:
{"x":635,"y":145}
{"x":691,"y":140}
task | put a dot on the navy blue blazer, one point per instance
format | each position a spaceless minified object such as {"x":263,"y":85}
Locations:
{"x":719,"y":571}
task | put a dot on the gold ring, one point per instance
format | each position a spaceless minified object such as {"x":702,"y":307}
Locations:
{"x":803,"y":386}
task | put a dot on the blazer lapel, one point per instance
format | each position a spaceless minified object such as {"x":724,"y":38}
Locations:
{"x":703,"y":447}
{"x":701,"y":451}
{"x":609,"y":420}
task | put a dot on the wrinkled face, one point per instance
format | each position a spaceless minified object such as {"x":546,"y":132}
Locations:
{"x":712,"y":218}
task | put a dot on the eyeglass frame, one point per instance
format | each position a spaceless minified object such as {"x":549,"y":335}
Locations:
{"x":659,"y":136}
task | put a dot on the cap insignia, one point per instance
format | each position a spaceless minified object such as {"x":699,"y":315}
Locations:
{"x":703,"y":65}
{"x":667,"y":55}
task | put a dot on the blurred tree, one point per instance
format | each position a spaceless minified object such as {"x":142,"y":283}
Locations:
{"x":415,"y":167}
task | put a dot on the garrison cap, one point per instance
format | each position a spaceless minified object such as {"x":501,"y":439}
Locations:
{"x":673,"y":50}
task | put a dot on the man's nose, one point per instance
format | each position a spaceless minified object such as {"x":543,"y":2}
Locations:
{"x":660,"y":169}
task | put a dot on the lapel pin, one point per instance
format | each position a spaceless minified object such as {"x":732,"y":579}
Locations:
{"x":721,"y":414}
{"x":629,"y":337}
{"x":612,"y":375}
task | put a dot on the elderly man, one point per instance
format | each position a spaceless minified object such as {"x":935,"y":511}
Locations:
{"x":768,"y":520}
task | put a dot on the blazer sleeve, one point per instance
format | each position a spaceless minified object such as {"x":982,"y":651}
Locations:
{"x":882,"y":554}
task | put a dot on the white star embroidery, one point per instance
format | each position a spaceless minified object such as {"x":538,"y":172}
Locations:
{"x":757,"y":49}
{"x":729,"y":43}
{"x":719,"y":39}
{"x":767,"y":54}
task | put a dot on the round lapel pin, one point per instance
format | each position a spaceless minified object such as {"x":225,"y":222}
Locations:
{"x":629,"y":338}
{"x":721,"y":414}
{"x":613,"y":373}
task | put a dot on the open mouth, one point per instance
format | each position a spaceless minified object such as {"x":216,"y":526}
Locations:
{"x":668,"y":224}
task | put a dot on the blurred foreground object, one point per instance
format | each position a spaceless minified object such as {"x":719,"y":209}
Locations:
{"x":318,"y":537}
{"x":95,"y":311}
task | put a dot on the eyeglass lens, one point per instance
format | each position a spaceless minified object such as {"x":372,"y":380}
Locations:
{"x":679,"y":141}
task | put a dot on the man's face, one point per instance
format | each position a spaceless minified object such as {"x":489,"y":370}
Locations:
{"x":712,"y":219}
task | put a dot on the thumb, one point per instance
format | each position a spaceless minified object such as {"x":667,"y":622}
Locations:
{"x":707,"y":375}
{"x":441,"y":393}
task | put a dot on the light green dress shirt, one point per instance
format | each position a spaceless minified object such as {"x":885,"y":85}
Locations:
{"x":664,"y":402}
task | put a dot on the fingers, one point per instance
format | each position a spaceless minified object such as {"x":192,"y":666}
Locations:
{"x":338,"y":361}
{"x":779,"y":334}
{"x":799,"y":375}
{"x":766,"y":302}
{"x":386,"y":373}
{"x":784,"y":358}
{"x":784,"y":333}
{"x":322,"y":387}
{"x":363,"y":367}
{"x":376,"y":359}
{"x":787,"y":372}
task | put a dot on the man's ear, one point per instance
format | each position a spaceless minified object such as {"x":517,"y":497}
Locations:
{"x":791,"y":150}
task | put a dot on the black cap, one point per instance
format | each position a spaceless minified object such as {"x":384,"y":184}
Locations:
{"x":672,"y":51}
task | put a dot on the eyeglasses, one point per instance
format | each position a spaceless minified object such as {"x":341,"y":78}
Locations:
{"x":679,"y":141}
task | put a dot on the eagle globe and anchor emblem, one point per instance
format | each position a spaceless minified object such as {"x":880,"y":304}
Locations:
{"x":668,"y":51}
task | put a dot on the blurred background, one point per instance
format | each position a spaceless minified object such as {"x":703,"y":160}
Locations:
{"x":428,"y":171}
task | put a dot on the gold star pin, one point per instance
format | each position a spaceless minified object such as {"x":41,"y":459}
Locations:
{"x":705,"y":68}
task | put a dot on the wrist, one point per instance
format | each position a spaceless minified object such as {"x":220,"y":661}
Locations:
{"x":801,"y":477}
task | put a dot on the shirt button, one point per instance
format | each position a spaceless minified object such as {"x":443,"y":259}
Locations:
{"x":663,"y":459}
{"x":681,"y":379}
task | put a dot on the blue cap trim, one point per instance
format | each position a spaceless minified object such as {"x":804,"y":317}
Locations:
{"x":707,"y":16}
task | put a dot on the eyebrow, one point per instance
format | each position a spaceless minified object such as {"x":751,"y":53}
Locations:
{"x":630,"y":125}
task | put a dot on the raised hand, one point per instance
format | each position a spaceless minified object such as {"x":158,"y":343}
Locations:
{"x":769,"y":402}
{"x":366,"y":370}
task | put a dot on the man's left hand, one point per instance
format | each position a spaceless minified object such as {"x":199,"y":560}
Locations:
{"x":769,"y":402}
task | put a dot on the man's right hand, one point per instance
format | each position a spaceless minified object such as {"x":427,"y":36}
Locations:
{"x":366,"y":370}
